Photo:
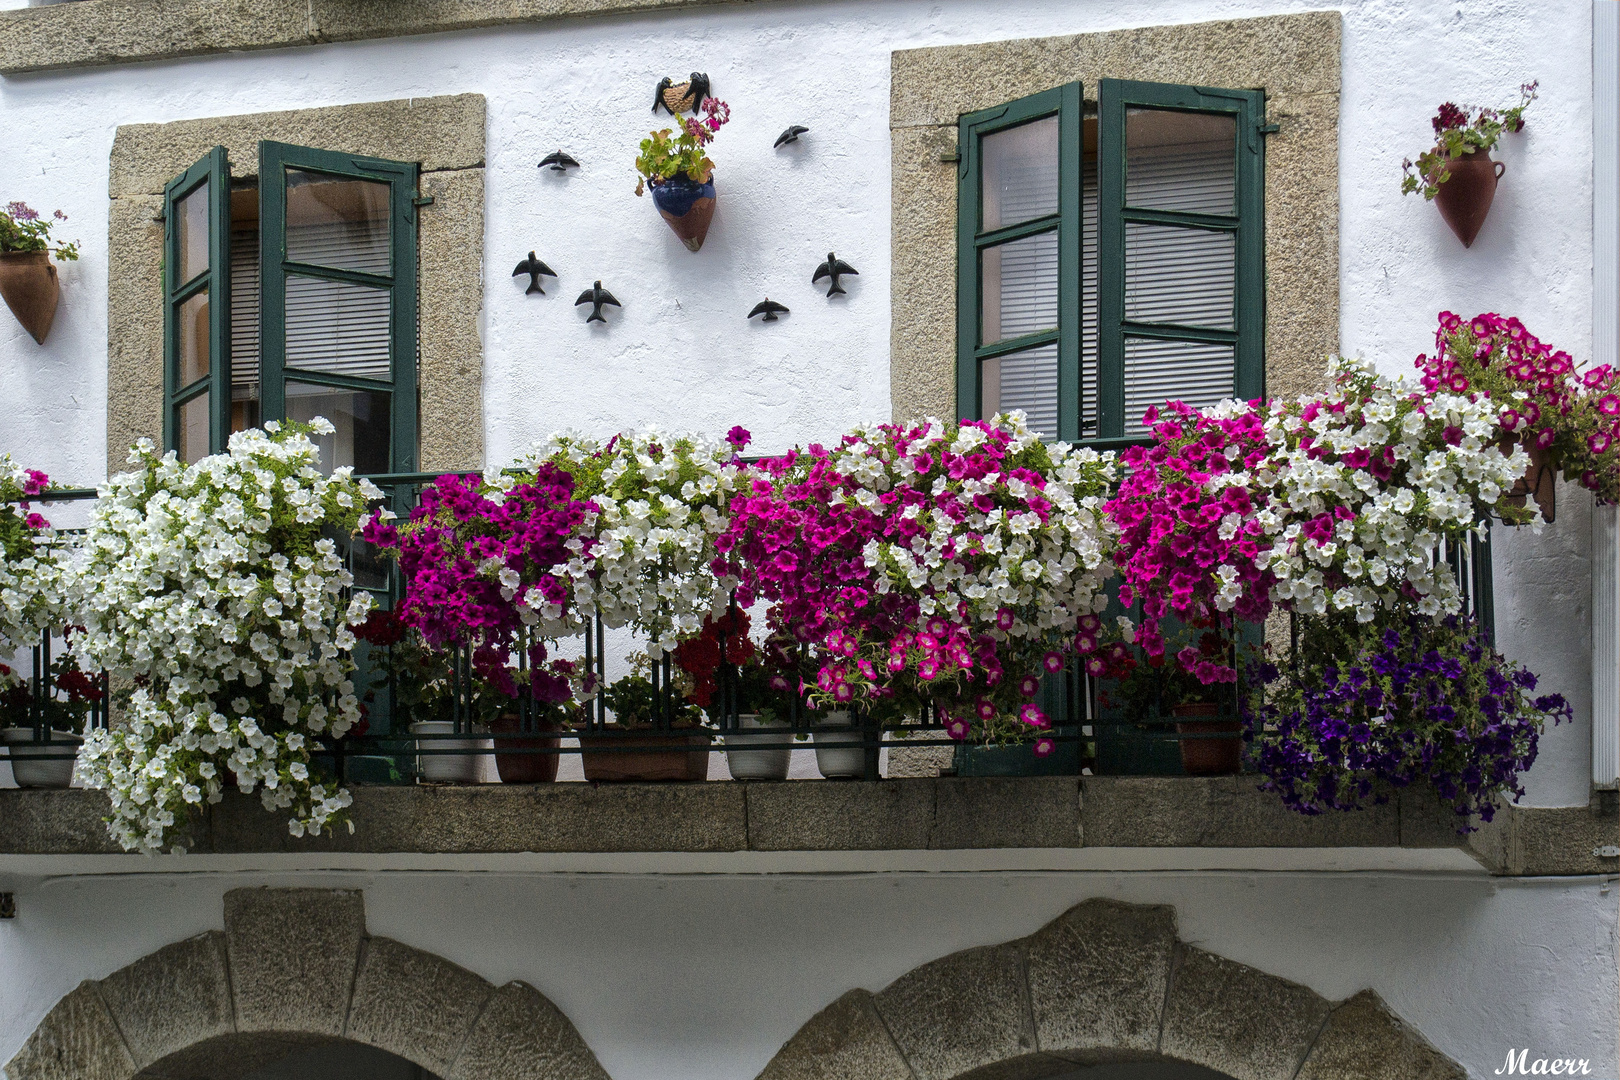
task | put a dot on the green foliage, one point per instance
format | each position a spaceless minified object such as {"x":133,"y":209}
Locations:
{"x":21,"y":229}
{"x":1456,"y":135}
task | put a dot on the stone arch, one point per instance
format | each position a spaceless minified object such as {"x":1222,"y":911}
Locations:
{"x":293,"y":968}
{"x":1104,"y":982}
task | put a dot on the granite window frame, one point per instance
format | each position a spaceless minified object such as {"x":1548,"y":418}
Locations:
{"x":1294,"y":58}
{"x":446,"y":135}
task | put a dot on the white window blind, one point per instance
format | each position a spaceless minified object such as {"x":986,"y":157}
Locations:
{"x":1179,"y":275}
{"x":338,"y":327}
{"x":245,"y":314}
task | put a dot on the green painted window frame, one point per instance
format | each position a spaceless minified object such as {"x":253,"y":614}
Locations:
{"x":274,"y":159}
{"x":274,"y":266}
{"x":1248,"y":107}
{"x":1115,"y":96}
{"x":1063,"y":102}
{"x":212,"y":171}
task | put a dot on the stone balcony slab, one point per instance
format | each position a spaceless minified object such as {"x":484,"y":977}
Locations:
{"x":1078,"y":815}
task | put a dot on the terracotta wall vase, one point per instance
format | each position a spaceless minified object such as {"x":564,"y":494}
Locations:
{"x":688,"y":206}
{"x":1540,"y":479}
{"x":1465,"y":199}
{"x":28,"y":284}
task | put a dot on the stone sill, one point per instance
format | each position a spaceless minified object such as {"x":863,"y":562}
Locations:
{"x":1080,"y":815}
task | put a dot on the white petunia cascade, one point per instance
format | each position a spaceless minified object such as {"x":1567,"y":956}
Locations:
{"x":31,"y":573}
{"x":219,"y":590}
{"x":1366,"y":482}
{"x":661,"y":502}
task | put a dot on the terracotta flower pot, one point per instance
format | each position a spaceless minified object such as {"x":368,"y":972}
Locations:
{"x":1207,"y":757}
{"x":1465,"y":199}
{"x":688,"y":206}
{"x":1540,"y":479}
{"x":519,"y":768}
{"x":28,"y":284}
{"x":645,"y":757}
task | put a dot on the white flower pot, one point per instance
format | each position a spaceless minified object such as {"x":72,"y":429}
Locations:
{"x":56,"y":772}
{"x":448,"y":768}
{"x":840,"y":754}
{"x":758,"y":764}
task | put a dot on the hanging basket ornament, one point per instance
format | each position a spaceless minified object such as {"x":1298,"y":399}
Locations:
{"x":1464,"y":199}
{"x":30,"y":288}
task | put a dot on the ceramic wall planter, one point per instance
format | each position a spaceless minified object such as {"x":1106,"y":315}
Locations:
{"x":758,"y":764}
{"x":688,"y":207}
{"x":840,"y":755}
{"x":448,"y":768}
{"x":1540,"y":479}
{"x":645,"y":757}
{"x":1207,"y":757}
{"x":521,"y":768}
{"x":1465,"y":199}
{"x":29,"y":286}
{"x":41,"y":765}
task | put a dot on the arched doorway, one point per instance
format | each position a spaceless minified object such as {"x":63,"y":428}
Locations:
{"x":1108,"y":987}
{"x":295,"y":973}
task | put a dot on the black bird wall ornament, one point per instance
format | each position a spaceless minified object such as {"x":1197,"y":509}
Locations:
{"x":790,"y":135}
{"x":534,"y":268}
{"x":596,"y":296}
{"x":833,"y":268}
{"x":675,"y":98}
{"x":768,"y":308}
{"x":559,"y":161}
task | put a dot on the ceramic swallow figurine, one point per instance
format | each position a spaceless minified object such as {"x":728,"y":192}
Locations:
{"x":534,"y":268}
{"x":833,"y":268}
{"x":768,"y":308}
{"x":596,"y":296}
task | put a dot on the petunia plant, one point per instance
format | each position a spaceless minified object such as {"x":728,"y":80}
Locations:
{"x":31,"y":573}
{"x":1460,"y":130}
{"x":217,"y":589}
{"x":933,"y":566}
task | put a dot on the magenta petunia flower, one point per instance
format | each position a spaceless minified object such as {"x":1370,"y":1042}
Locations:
{"x":1029,"y":686}
{"x":1044,"y":746}
{"x":1052,"y":661}
{"x":738,"y":436}
{"x":957,"y":728}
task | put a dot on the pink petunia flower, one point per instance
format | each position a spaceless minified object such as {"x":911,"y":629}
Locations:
{"x":1044,"y":746}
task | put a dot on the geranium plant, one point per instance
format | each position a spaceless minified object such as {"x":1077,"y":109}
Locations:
{"x":1461,"y":130}
{"x":933,"y":566}
{"x":23,"y":229}
{"x":217,"y":589}
{"x":1368,"y":707}
{"x":666,"y":155}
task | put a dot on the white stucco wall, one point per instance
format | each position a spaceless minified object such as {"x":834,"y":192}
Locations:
{"x":704,"y":977}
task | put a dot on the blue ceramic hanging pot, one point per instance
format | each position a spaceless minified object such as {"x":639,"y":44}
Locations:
{"x":687,"y":205}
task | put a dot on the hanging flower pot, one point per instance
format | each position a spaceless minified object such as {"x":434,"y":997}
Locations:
{"x":28,"y":284}
{"x":1465,"y":199}
{"x":1213,"y":754}
{"x":1540,"y":479}
{"x":688,"y":206}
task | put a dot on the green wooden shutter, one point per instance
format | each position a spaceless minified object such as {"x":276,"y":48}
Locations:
{"x":1181,"y":249}
{"x":197,"y":302}
{"x":337,"y":269}
{"x":1040,"y":352}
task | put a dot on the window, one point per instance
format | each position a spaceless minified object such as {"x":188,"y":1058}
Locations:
{"x":1110,"y":260}
{"x":291,"y":298}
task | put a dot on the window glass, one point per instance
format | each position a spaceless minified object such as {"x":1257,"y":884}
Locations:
{"x":193,"y":316}
{"x":1020,"y":173}
{"x":191,"y":228}
{"x":337,"y":222}
{"x":360,"y":417}
{"x":192,"y":440}
{"x":1019,"y":287}
{"x":1184,"y":161}
{"x":1180,"y":275}
{"x":338,"y":327}
{"x":1159,"y":371}
{"x":1026,"y":380}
